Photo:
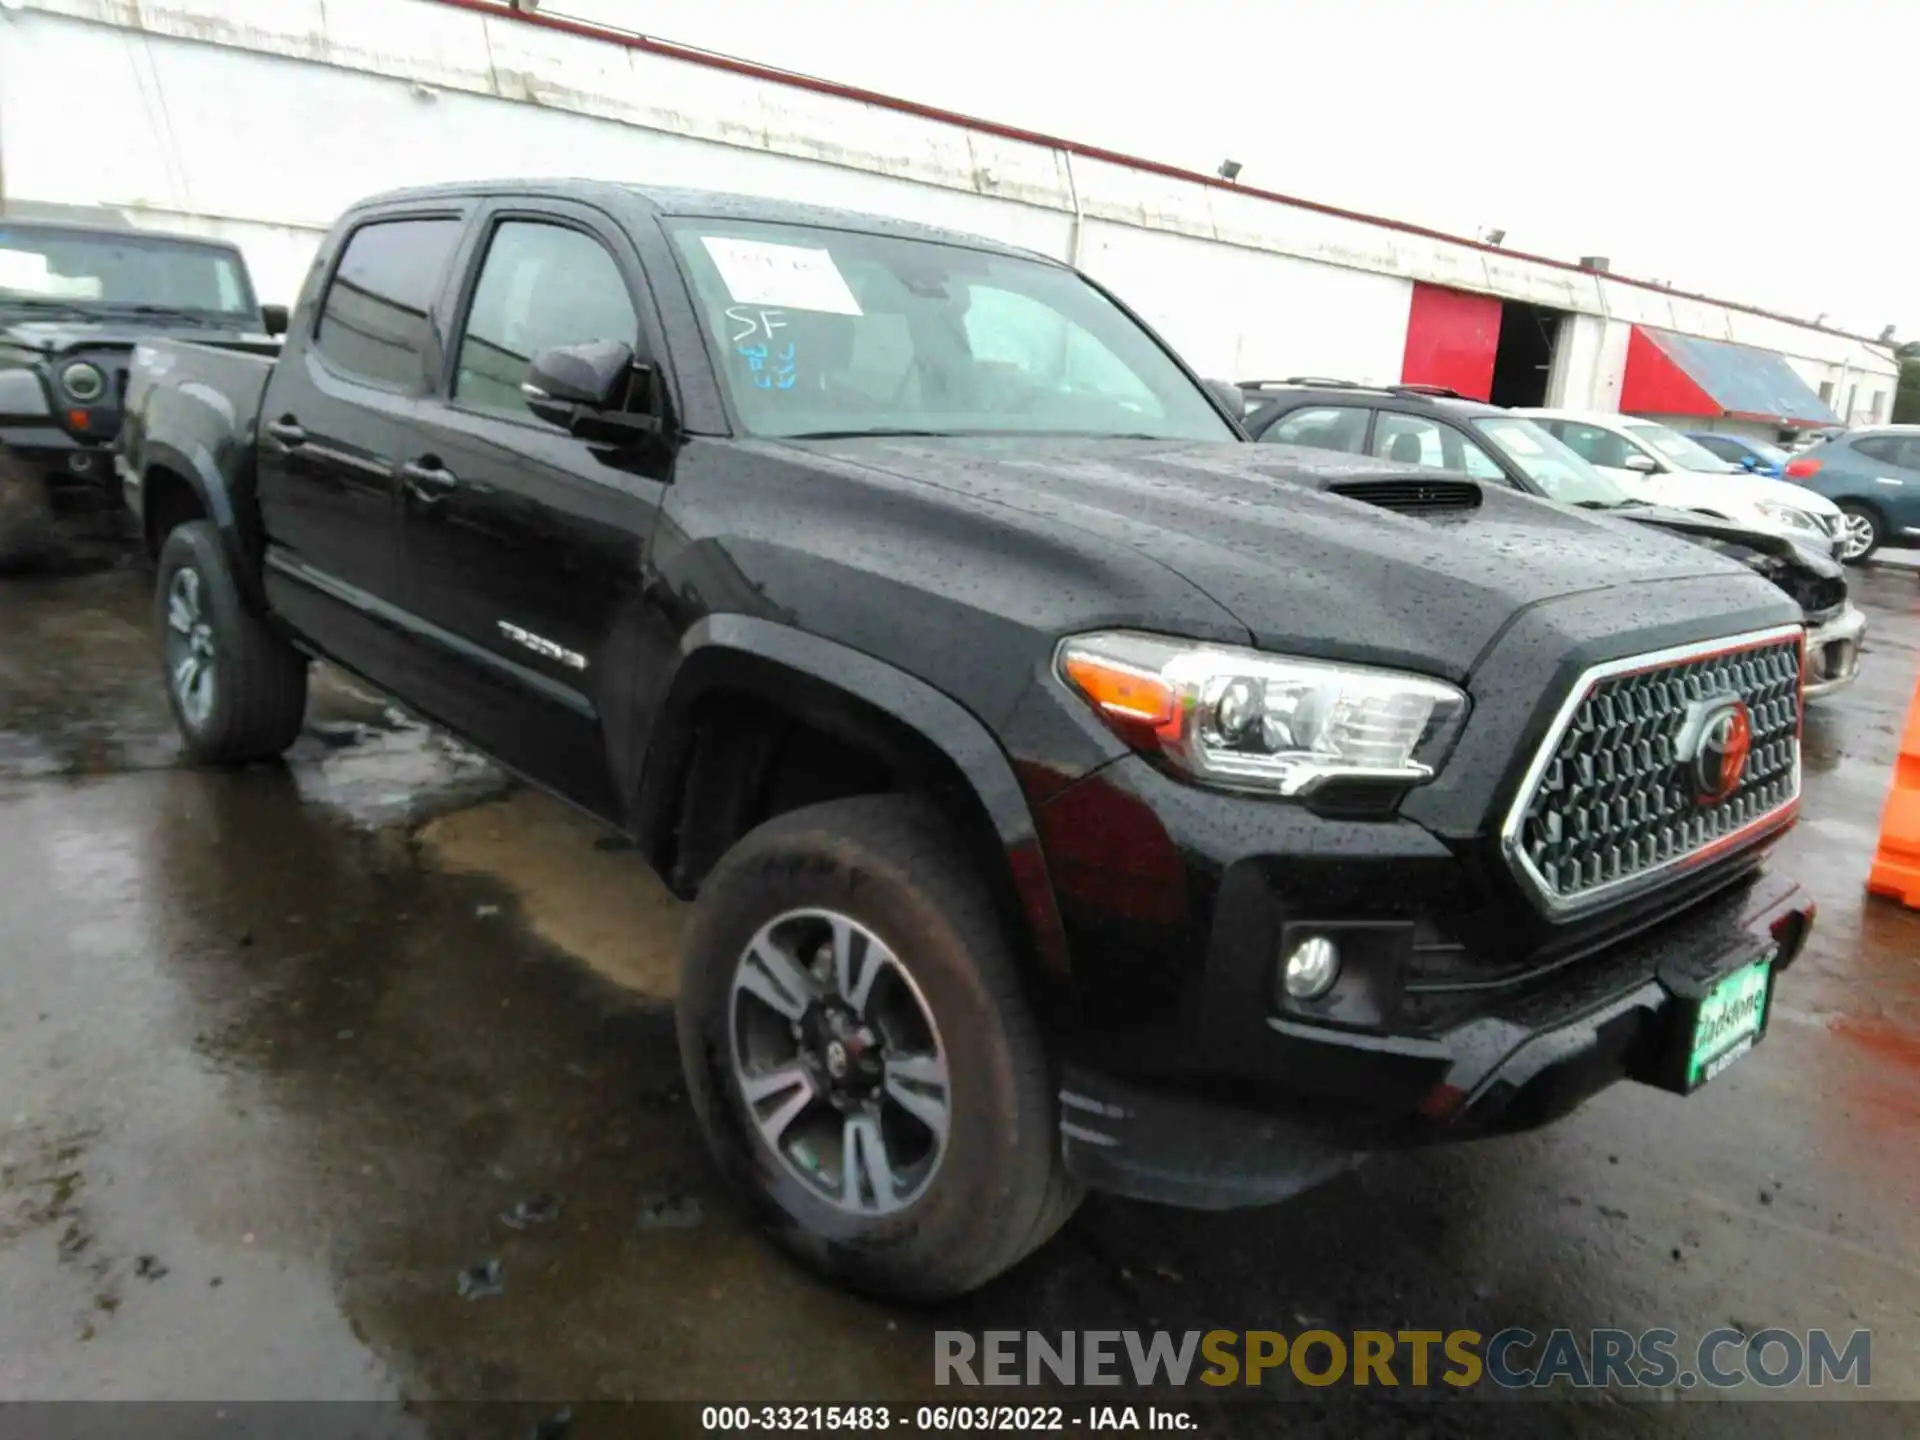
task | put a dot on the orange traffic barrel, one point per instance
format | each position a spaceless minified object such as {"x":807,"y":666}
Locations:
{"x":1896,"y":864}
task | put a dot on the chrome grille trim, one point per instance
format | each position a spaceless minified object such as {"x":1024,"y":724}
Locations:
{"x":1512,"y":832}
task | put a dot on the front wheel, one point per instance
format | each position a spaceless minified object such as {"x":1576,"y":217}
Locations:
{"x":861,"y":1056}
{"x":1864,"y":532}
{"x":238,"y":691}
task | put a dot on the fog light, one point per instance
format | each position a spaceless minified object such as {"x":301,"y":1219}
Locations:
{"x":1312,"y":968}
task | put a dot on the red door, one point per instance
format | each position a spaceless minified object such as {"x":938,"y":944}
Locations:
{"x":1451,"y":340}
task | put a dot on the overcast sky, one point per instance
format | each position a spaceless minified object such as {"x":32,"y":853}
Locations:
{"x":1755,"y":150}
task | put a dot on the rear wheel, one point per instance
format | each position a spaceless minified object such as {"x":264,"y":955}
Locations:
{"x":238,"y":691}
{"x":861,"y":1056}
{"x":1865,"y":531}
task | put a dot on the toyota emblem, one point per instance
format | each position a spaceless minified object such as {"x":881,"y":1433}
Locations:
{"x":1724,"y":740}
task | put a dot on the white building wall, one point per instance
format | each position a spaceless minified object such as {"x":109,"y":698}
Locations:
{"x":259,"y":120}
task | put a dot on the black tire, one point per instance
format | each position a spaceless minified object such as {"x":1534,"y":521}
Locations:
{"x":1857,"y":514}
{"x":1000,"y":1190}
{"x":28,"y":536}
{"x":257,"y":693}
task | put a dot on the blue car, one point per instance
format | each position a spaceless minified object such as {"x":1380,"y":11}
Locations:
{"x":1874,"y":477}
{"x":1752,"y":455}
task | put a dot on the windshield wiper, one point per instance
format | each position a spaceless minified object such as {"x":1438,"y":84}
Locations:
{"x":884,"y":432}
{"x":1610,"y":504}
{"x":47,"y":307}
{"x":166,"y":312}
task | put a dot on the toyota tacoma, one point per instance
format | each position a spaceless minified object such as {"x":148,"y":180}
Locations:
{"x":1070,"y":792}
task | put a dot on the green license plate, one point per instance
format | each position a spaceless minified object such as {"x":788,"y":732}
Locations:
{"x":1731,"y":1018}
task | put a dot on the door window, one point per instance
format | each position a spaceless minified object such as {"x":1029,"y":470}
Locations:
{"x":1321,"y":427}
{"x":541,"y":286}
{"x":1592,"y":444}
{"x":1416,"y":440}
{"x":1901,"y":450}
{"x":374,"y":324}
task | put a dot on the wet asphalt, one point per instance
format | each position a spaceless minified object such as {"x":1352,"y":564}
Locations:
{"x":280,"y":1048}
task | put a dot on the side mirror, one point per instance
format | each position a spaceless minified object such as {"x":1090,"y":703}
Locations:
{"x":591,"y":390}
{"x":274,"y":319}
{"x":1642,"y":464}
{"x":1231,"y":396}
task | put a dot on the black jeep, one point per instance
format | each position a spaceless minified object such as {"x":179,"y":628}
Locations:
{"x":74,"y":302}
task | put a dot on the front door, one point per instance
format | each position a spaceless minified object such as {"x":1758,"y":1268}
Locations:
{"x":524,"y":546}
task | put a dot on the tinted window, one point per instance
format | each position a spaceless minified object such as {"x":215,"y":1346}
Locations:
{"x":540,"y":286}
{"x":831,"y":332}
{"x":1901,"y":450}
{"x":1321,"y":427}
{"x":374,"y":322}
{"x":1724,"y":446}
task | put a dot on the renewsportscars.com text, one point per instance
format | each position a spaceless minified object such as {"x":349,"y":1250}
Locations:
{"x":1511,"y":1359}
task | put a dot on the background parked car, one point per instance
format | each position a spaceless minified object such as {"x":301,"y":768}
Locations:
{"x":1420,"y":425}
{"x":1663,"y":467}
{"x":1874,"y":477}
{"x":1754,"y":456}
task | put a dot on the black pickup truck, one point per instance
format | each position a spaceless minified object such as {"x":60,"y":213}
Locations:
{"x":75,"y":299}
{"x":1072,"y":792}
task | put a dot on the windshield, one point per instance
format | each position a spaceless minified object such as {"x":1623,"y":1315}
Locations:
{"x":1671,"y":444}
{"x":822,"y":332}
{"x":1563,"y":475}
{"x":80,"y":268}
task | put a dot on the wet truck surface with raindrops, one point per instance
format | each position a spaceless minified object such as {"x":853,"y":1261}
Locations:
{"x":1073,"y":794}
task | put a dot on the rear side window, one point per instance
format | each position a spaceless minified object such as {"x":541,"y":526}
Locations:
{"x":541,"y":286}
{"x":1879,"y":447}
{"x":374,"y":324}
{"x":1321,"y":427}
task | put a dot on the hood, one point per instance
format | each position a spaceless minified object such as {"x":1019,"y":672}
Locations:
{"x":1736,"y":495}
{"x":52,"y":337}
{"x":1261,"y":531}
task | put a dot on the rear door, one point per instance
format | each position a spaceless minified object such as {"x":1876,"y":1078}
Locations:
{"x":1888,"y":471}
{"x":336,"y":418}
{"x":523,"y":545}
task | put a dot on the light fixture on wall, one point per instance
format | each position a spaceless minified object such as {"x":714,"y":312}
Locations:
{"x":1886,"y":336}
{"x":1493,"y":237}
{"x":525,"y":7}
{"x":1229,"y":170}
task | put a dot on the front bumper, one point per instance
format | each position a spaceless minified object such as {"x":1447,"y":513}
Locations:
{"x":1833,"y":652}
{"x":1521,"y":1063}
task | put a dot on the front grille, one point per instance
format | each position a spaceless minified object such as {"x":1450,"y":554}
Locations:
{"x":1413,"y":497}
{"x":1615,"y":796}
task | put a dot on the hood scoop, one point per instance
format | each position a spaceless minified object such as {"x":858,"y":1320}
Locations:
{"x":1413,"y":496}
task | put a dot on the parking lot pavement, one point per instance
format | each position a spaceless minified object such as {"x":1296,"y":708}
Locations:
{"x":278,"y":1049}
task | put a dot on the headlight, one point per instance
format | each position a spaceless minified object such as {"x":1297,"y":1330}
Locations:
{"x":1788,"y":516}
{"x":83,"y":382}
{"x":1250,"y":721}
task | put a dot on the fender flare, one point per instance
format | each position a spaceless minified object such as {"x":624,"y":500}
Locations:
{"x":203,"y":476}
{"x":928,"y":713}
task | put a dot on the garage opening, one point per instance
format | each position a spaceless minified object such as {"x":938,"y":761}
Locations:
{"x":1523,"y":359}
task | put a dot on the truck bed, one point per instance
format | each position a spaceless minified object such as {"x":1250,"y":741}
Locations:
{"x":205,"y":399}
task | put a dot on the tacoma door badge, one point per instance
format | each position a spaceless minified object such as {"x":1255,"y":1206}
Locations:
{"x":540,"y":645}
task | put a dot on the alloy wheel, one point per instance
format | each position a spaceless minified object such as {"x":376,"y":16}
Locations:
{"x":190,"y":648}
{"x":838,"y":1059}
{"x":1860,"y":535}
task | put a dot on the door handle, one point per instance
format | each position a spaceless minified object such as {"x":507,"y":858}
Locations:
{"x":287,"y":431}
{"x":428,"y":482}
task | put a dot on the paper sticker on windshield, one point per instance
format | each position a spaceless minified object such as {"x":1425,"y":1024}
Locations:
{"x":795,"y":277}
